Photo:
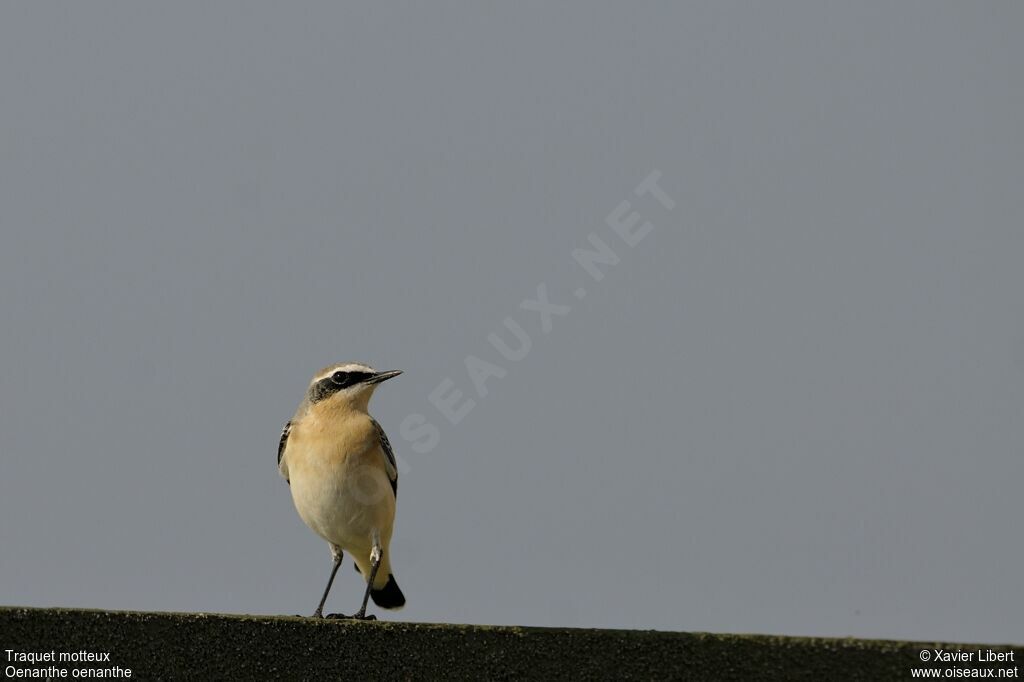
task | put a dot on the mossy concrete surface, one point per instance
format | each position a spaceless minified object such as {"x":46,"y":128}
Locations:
{"x":172,"y":646}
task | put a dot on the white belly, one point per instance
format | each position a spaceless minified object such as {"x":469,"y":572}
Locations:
{"x":346,"y":503}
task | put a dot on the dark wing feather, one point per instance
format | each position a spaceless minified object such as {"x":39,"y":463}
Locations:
{"x":280,"y":446}
{"x":391,"y":465}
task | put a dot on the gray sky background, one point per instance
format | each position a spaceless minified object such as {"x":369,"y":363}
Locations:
{"x":796,"y":406}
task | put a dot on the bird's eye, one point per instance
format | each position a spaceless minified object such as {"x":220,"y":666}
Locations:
{"x":339,"y":378}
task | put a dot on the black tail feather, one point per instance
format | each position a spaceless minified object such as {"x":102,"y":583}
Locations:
{"x":390,"y":596}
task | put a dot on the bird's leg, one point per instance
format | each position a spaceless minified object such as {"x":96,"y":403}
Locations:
{"x":336,"y":552}
{"x":375,"y":556}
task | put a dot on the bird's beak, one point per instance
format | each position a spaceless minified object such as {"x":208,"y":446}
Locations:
{"x":383,"y":376}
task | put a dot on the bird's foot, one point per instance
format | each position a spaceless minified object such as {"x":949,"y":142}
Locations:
{"x":354,"y":616}
{"x":364,"y":616}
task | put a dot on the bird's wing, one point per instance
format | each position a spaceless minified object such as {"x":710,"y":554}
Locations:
{"x":389,"y":456}
{"x":282,"y":466}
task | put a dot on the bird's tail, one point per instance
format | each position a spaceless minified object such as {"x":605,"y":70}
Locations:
{"x":390,"y":596}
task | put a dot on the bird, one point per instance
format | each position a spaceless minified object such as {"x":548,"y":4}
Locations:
{"x":341,"y":470}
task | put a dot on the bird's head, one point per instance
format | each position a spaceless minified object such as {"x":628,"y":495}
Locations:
{"x":349,"y":383}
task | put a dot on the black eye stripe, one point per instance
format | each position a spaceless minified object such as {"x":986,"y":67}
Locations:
{"x":327,"y":387}
{"x":353,"y":378}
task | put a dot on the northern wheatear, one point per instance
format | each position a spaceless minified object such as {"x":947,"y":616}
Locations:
{"x":341,"y":470}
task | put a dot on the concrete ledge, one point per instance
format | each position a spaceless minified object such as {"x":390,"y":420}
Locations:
{"x":212,"y":646}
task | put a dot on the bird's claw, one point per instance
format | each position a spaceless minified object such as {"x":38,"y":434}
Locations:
{"x":354,"y":616}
